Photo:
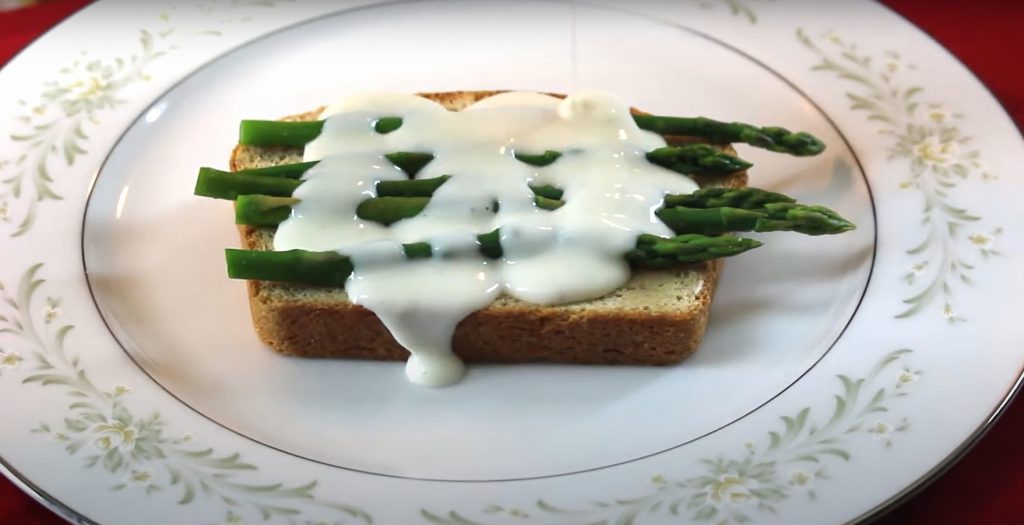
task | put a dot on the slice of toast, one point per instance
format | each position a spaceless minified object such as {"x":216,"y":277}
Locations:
{"x":657,"y":318}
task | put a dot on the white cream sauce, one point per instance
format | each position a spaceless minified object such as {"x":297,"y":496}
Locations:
{"x":551,"y":257}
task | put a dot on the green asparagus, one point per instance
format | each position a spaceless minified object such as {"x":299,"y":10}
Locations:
{"x":781,"y":140}
{"x":427,"y":187}
{"x":410,"y":188}
{"x":776,"y":216}
{"x":409,"y":161}
{"x":298,"y":266}
{"x":333,"y":269}
{"x":653,"y":251}
{"x":542,"y":159}
{"x":707,"y":210}
{"x":284,"y":171}
{"x":747,"y":198}
{"x":546,"y":191}
{"x":263,"y":210}
{"x":691,"y":159}
{"x":227,"y":185}
{"x":388,"y":210}
{"x":264,"y":198}
{"x":260,"y":210}
{"x":773,"y":138}
{"x":266,"y":133}
{"x":697,"y":159}
{"x":385,"y":125}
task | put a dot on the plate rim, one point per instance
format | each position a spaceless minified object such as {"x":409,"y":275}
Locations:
{"x":965,"y":446}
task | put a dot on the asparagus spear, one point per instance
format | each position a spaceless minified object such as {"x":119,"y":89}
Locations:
{"x":284,"y":171}
{"x":333,"y":269}
{"x":299,"y":266}
{"x":707,"y":210}
{"x":427,"y":187}
{"x":653,"y":251}
{"x":781,"y":140}
{"x":692,"y":159}
{"x":263,"y":210}
{"x":260,"y":210}
{"x":388,"y":210}
{"x":409,"y":161}
{"x":227,"y":185}
{"x":542,"y":159}
{"x":385,"y":125}
{"x":771,"y":138}
{"x":697,"y":159}
{"x":776,"y":216}
{"x":687,"y":160}
{"x":410,"y":188}
{"x":267,"y":133}
{"x":747,"y":198}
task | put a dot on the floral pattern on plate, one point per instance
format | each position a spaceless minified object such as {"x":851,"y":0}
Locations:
{"x":792,"y":462}
{"x":939,"y":157}
{"x":138,"y":452}
{"x":56,"y":128}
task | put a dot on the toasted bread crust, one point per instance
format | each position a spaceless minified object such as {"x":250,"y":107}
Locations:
{"x":317,"y":322}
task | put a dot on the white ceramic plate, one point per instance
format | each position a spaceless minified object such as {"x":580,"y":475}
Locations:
{"x":837,"y":373}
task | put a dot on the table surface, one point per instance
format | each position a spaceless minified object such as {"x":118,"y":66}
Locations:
{"x":987,"y":485}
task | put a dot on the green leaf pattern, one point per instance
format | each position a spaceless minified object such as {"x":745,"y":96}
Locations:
{"x":791,"y":461}
{"x":138,"y":451}
{"x":55,"y":128}
{"x":740,"y":8}
{"x":939,"y":157}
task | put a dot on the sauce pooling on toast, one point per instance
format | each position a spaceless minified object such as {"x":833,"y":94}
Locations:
{"x":570,"y":254}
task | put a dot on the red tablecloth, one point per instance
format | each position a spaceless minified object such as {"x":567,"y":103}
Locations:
{"x":987,"y":486}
